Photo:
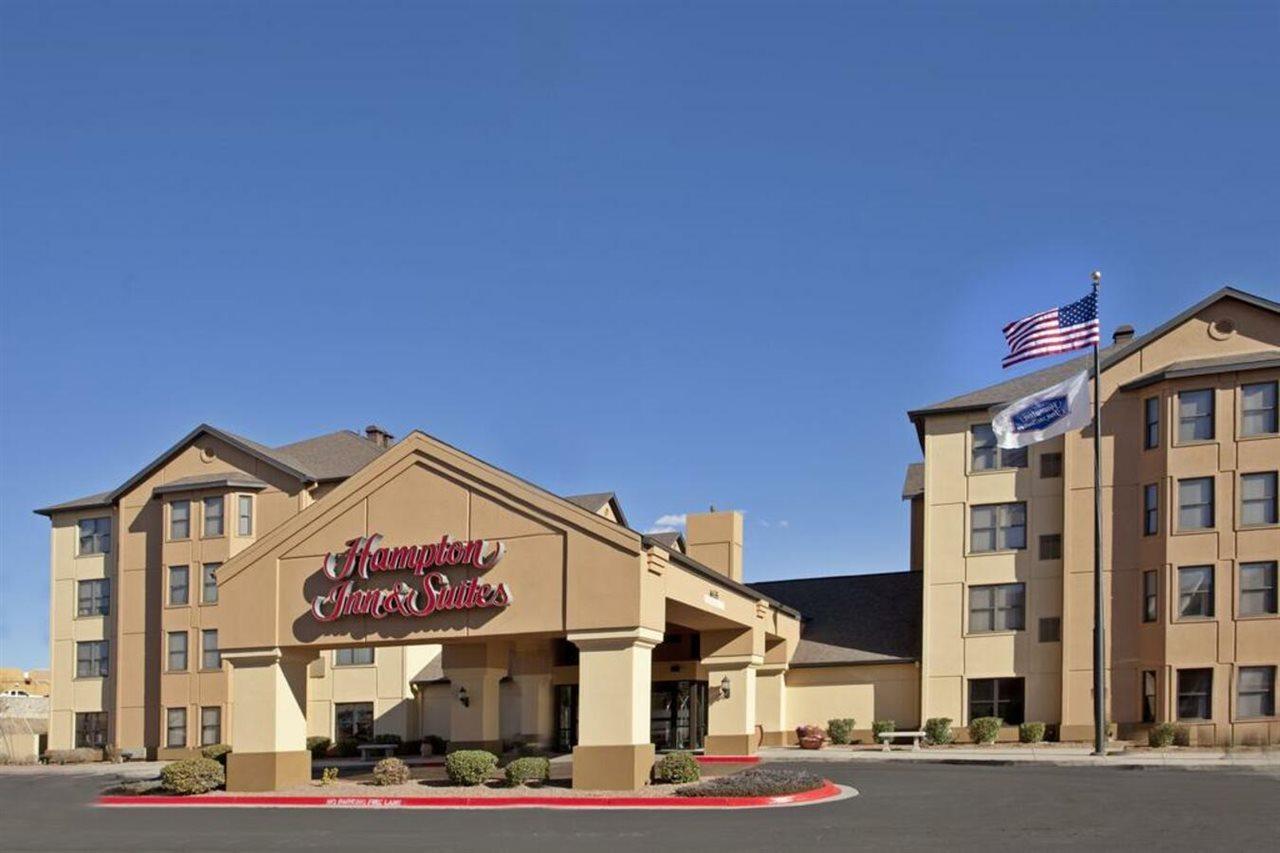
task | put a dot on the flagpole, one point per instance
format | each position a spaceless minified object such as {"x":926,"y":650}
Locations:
{"x":1099,"y":646}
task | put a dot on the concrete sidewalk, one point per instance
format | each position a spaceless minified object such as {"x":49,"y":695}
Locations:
{"x":1079,"y":756}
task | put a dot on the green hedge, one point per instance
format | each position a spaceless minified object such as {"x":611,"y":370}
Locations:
{"x":937,"y":730}
{"x":756,"y":782}
{"x":469,"y":766}
{"x":1031,"y":732}
{"x":531,"y":768}
{"x":984,"y":729}
{"x":192,"y":776}
{"x":677,"y":768}
{"x":390,"y":771}
{"x":217,"y":751}
{"x":878,"y":727}
{"x":841,"y":729}
{"x":318,"y":745}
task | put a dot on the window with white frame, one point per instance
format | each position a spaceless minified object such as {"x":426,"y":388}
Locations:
{"x":180,"y":519}
{"x":94,"y":535}
{"x":209,"y":583}
{"x":986,"y":456}
{"x":92,"y":659}
{"x":1195,"y":415}
{"x":213,"y":509}
{"x":1258,"y":499}
{"x":1256,"y":691}
{"x":1195,"y":503}
{"x":997,"y":607}
{"x":1195,"y":592}
{"x":998,"y":527}
{"x":175,"y":727}
{"x":93,"y":597}
{"x":1258,"y":409}
{"x":179,"y":585}
{"x":244,"y":515}
{"x":1258,"y":588}
{"x":210,"y":657}
{"x":177,"y":658}
{"x":210,"y":726}
{"x":353,"y":656}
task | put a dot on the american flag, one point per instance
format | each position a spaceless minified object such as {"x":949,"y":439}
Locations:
{"x":1070,"y":327}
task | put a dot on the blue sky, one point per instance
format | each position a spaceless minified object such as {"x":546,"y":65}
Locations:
{"x":692,"y":252}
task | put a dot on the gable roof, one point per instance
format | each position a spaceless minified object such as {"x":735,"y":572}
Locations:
{"x":913,"y":483}
{"x":97,"y":499}
{"x":597,"y":501}
{"x":669,"y":539}
{"x":211,"y":481}
{"x":334,"y":456}
{"x":854,"y":619}
{"x":1204,"y":366}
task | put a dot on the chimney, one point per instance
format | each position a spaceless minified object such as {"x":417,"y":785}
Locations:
{"x":1122,"y":334}
{"x":378,"y":435}
{"x":715,"y":540}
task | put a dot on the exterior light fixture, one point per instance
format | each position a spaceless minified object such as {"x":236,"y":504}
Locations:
{"x":463,"y":697}
{"x":724,"y":687}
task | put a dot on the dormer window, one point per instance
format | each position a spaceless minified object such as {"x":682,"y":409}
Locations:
{"x":213,"y":508}
{"x":180,"y":520}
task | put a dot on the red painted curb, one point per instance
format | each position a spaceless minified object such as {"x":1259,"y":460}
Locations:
{"x":728,"y":759}
{"x":203,"y":800}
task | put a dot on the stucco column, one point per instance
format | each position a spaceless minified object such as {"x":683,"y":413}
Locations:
{"x":474,"y":670}
{"x":731,"y":718}
{"x":771,"y":703}
{"x":269,"y":719}
{"x":531,"y":672}
{"x":615,"y":675}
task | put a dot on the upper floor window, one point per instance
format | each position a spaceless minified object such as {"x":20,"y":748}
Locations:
{"x":213,"y":516}
{"x":1256,"y":691}
{"x":997,"y":607}
{"x":1050,"y":466}
{"x":209,"y":583}
{"x":998,"y":527}
{"x":177,"y":651}
{"x":180,"y":520}
{"x":210,"y":726}
{"x":1195,"y":592}
{"x":1258,"y":498}
{"x":92,"y":659}
{"x":1051,"y":546}
{"x":1150,"y":596}
{"x":1151,"y":435}
{"x":1151,"y":509}
{"x":986,"y":456}
{"x":1258,"y":588}
{"x":1195,"y":415}
{"x":179,"y":585}
{"x":1195,"y":694}
{"x":244,"y":515}
{"x":362,"y":656}
{"x":1195,"y":503}
{"x":210,"y":657}
{"x":93,"y":597}
{"x":94,"y":535}
{"x":1258,"y":409}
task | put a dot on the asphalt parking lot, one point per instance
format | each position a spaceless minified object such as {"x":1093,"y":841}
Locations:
{"x":901,"y":806}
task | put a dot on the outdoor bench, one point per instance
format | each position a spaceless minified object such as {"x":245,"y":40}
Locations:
{"x":886,"y":737}
{"x":383,"y":749}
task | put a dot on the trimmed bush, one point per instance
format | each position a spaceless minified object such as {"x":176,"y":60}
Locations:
{"x":531,"y":768}
{"x":83,"y":755}
{"x":318,"y":745}
{"x":1031,"y":733}
{"x":937,"y":730}
{"x":469,"y":766}
{"x":841,"y":730}
{"x":1162,"y":734}
{"x":879,"y":727}
{"x":192,"y":776}
{"x":756,"y":782}
{"x":217,"y":751}
{"x":346,"y":748}
{"x":677,"y":768}
{"x":390,"y":771}
{"x":984,"y":729}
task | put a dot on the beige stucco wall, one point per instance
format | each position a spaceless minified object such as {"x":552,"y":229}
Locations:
{"x":864,"y":692}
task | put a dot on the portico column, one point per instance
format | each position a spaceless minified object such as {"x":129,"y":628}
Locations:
{"x":731,"y":710}
{"x":269,"y":719}
{"x":474,"y":671}
{"x":615,"y":674}
{"x":531,"y":672}
{"x":771,"y":703}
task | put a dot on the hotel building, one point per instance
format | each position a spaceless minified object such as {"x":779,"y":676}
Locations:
{"x":349,"y":585}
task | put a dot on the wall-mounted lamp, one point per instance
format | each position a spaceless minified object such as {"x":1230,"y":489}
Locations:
{"x":724,"y":687}
{"x":463,"y":697}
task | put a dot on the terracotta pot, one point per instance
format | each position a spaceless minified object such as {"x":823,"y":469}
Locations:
{"x":812,"y":742}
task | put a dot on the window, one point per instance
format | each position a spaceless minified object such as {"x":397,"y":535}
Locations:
{"x":209,"y":583}
{"x":987,"y":457}
{"x":91,"y":730}
{"x":210,"y":657}
{"x":177,"y":651}
{"x":1257,"y":588}
{"x":95,"y":535}
{"x":1148,"y":696}
{"x":1050,"y":466}
{"x":1151,"y":509}
{"x":179,"y":585}
{"x":353,"y":656}
{"x":1258,"y":409}
{"x":998,"y":527}
{"x":999,"y":607}
{"x":1195,"y":503}
{"x":1195,"y":592}
{"x":1256,"y":691}
{"x":1051,"y":629}
{"x":996,"y":697}
{"x":1150,"y":596}
{"x":210,"y":726}
{"x":1195,"y":415}
{"x":1195,"y":694}
{"x":353,"y":721}
{"x":1151,"y":437}
{"x":176,"y":727}
{"x":244,"y":515}
{"x":92,"y":659}
{"x":1258,"y":498}
{"x":180,"y":520}
{"x":213,"y":516}
{"x":93,"y":597}
{"x":1051,"y":546}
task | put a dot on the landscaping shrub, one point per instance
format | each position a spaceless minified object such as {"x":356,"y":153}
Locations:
{"x":469,"y":766}
{"x":390,"y":771}
{"x":984,"y":729}
{"x":318,"y":745}
{"x":1181,"y":736}
{"x":756,"y":782}
{"x":878,"y":727}
{"x":409,"y":747}
{"x":328,"y":776}
{"x":346,"y":748}
{"x":82,"y":755}
{"x":1161,"y":735}
{"x":387,"y":738}
{"x":217,"y":751}
{"x":192,"y":776}
{"x":112,"y":754}
{"x":678,"y":768}
{"x":438,"y":744}
{"x":937,"y":730}
{"x":1031,"y":732}
{"x":841,"y":729}
{"x":522,"y":771}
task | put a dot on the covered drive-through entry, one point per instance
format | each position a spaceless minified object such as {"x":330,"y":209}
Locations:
{"x":614,"y":641}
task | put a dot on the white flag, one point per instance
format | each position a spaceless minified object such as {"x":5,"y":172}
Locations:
{"x":1044,"y":414}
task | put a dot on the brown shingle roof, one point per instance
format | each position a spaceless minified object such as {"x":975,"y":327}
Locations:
{"x":597,"y":501}
{"x":334,"y":456}
{"x":86,"y":502}
{"x":913,"y":484}
{"x":1205,"y":366}
{"x":210,"y":481}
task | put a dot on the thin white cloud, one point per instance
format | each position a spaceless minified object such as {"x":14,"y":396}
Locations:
{"x":784,"y":523}
{"x":670,"y":523}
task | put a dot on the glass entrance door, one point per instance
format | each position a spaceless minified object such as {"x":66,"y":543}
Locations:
{"x":678,"y":714}
{"x":566,"y":717}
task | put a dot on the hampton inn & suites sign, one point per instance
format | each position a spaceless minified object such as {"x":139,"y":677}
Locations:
{"x":431,"y":590}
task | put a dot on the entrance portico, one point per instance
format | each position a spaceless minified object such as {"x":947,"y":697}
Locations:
{"x":430,"y":545}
